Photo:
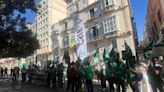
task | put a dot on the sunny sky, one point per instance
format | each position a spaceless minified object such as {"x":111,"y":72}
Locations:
{"x":139,"y":8}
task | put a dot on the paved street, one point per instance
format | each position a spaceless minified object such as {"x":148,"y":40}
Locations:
{"x":7,"y":85}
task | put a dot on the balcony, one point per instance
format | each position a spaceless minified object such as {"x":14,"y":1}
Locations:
{"x":94,"y":39}
{"x":111,"y":34}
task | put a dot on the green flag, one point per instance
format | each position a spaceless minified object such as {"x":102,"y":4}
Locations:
{"x":78,"y":63}
{"x":96,"y":57}
{"x":64,"y":55}
{"x":114,"y":55}
{"x":127,"y":53}
{"x":67,"y":60}
{"x":106,"y":56}
{"x":148,"y":50}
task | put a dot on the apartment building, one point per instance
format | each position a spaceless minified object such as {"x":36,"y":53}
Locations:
{"x":49,"y":12}
{"x":107,"y":22}
{"x":33,"y":28}
{"x":154,"y":23}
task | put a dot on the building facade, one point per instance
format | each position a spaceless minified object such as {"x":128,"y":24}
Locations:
{"x":49,"y":12}
{"x":154,"y":26}
{"x":107,"y":22}
{"x":155,"y":18}
{"x":33,"y":28}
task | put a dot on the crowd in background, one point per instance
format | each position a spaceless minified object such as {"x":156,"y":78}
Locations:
{"x":78,"y":75}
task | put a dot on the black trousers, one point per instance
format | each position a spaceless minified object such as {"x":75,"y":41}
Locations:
{"x":156,"y":85}
{"x":68,"y":82}
{"x":14,"y":77}
{"x":89,"y":84}
{"x":111,"y":81}
{"x":54,"y":81}
{"x":79,"y":82}
{"x":121,"y":83}
{"x":134,"y":85}
{"x":60,"y":81}
{"x":103,"y":81}
{"x":23,"y":76}
{"x":74,"y":84}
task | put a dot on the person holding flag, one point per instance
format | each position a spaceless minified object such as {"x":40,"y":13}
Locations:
{"x":132,"y":68}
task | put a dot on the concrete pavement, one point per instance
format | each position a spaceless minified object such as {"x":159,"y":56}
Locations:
{"x":7,"y":85}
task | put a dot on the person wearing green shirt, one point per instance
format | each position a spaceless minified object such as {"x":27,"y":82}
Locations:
{"x":132,"y":78}
{"x":88,"y":73}
{"x":121,"y":76}
{"x":111,"y":74}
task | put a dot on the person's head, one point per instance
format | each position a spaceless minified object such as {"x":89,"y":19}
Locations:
{"x":155,"y":59}
{"x":88,"y":64}
{"x":161,"y":58}
{"x":73,"y":63}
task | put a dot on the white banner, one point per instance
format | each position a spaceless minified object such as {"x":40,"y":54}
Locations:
{"x":80,"y":38}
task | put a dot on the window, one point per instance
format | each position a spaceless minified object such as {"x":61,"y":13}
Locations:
{"x":159,"y":16}
{"x":93,"y":33}
{"x":65,"y":24}
{"x":92,"y":13}
{"x":47,"y":33}
{"x":109,"y":4}
{"x":71,"y":9}
{"x":109,"y":24}
{"x":66,"y":41}
{"x":46,"y":12}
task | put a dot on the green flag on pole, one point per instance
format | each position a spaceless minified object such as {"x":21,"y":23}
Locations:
{"x":127,"y":53}
{"x":106,"y":56}
{"x":64,"y":55}
{"x":96,"y":57}
{"x":114,"y":55}
{"x":67,"y":57}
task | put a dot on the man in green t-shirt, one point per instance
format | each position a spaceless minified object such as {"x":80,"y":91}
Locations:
{"x":88,"y":76}
{"x":111,"y":74}
{"x":121,"y":76}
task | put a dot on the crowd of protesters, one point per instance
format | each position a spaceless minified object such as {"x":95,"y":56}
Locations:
{"x":79,"y":75}
{"x":14,"y":72}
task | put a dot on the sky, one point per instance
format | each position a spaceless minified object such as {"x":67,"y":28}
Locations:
{"x":139,"y":9}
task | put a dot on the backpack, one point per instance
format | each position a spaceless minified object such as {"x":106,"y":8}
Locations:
{"x":74,"y":71}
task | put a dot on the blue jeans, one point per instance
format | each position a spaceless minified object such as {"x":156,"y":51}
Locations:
{"x":89,"y":84}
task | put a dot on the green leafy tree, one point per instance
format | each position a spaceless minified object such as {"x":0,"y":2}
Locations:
{"x":16,"y":40}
